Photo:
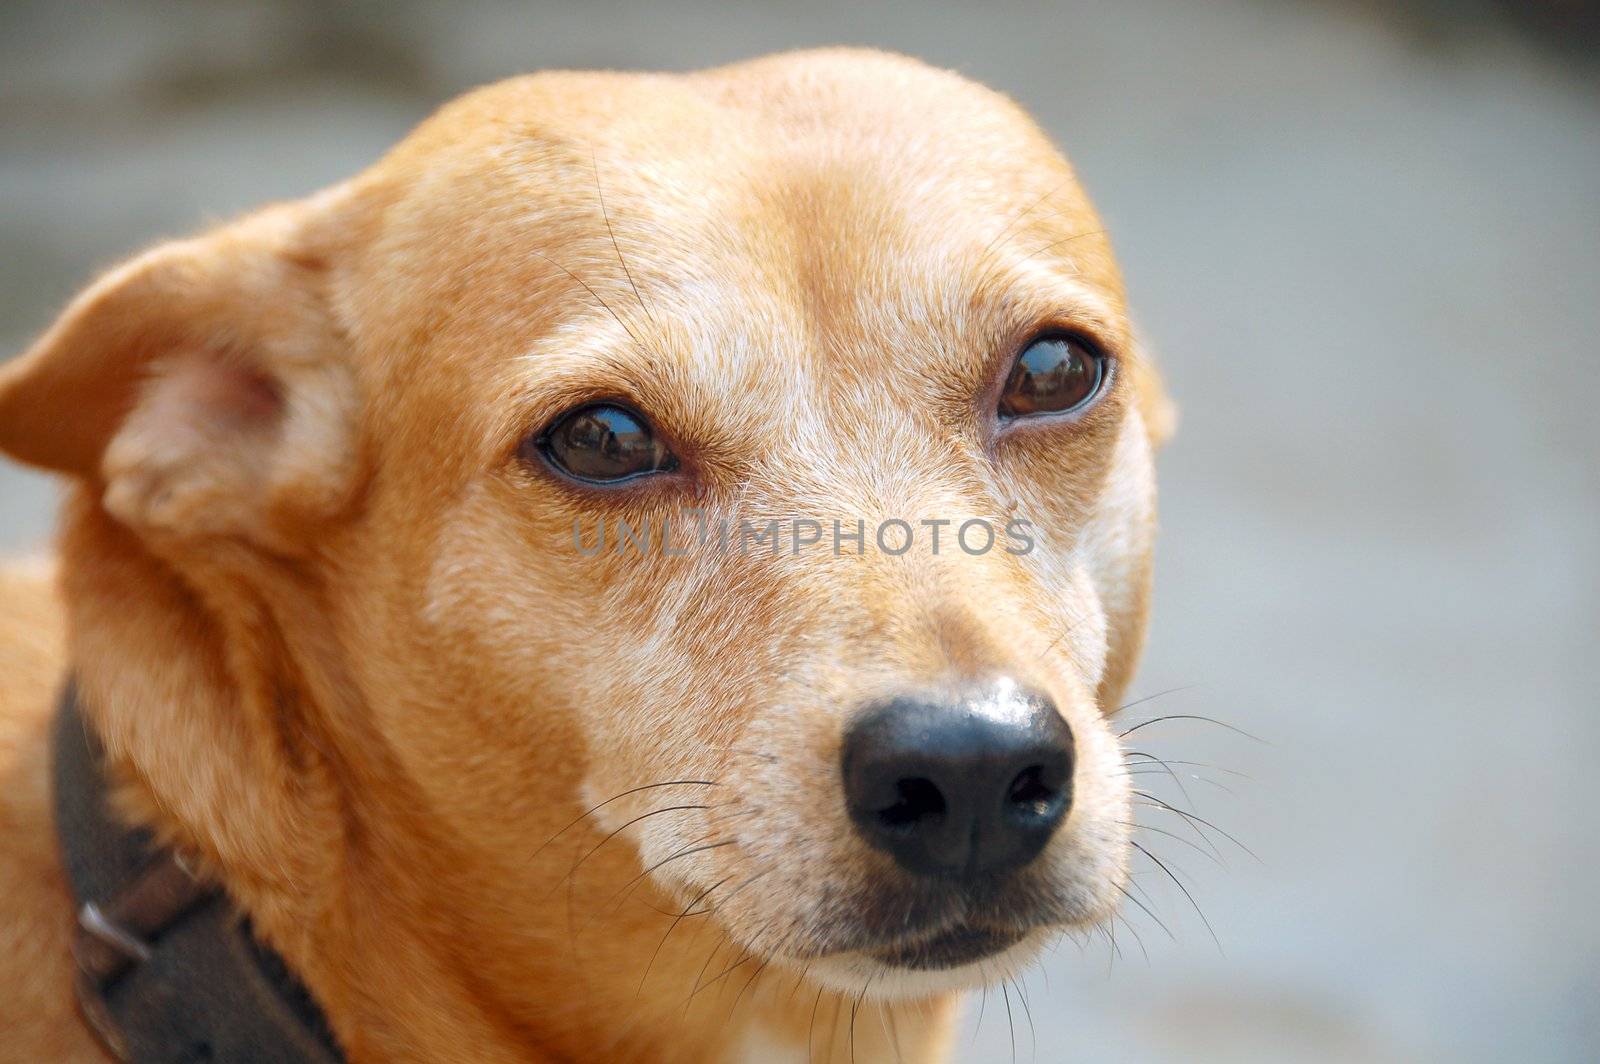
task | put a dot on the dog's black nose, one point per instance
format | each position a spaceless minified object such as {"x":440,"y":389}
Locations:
{"x":960,"y":786}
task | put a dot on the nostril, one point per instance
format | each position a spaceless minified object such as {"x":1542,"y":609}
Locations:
{"x":1031,"y":792}
{"x":917,"y":801}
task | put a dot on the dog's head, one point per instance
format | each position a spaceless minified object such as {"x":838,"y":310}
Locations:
{"x":759,"y":459}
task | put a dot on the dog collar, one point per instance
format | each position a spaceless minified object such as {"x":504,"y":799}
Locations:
{"x":167,"y":968}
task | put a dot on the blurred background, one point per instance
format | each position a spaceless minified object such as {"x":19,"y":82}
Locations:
{"x":1365,"y":238}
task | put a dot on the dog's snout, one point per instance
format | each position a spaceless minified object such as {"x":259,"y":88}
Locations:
{"x":959,"y":786}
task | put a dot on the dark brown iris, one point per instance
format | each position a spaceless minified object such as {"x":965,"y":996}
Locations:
{"x":604,"y":443}
{"x":1052,"y":375}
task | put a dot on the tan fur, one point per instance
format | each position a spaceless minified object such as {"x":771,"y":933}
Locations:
{"x":336,"y":638}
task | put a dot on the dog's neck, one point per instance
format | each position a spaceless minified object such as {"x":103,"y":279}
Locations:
{"x":574,"y":973}
{"x":228,"y":721}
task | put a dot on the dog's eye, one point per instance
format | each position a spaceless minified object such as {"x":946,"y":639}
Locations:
{"x":1054,"y":374}
{"x":603,"y":443}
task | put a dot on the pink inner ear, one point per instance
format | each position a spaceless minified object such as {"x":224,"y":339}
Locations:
{"x":238,"y":392}
{"x":197,"y":452}
{"x":199,"y":390}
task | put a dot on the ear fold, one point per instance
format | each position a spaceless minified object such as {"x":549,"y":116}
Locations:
{"x":203,"y":383}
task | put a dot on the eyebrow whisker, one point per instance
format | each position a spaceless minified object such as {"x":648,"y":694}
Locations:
{"x":601,"y":197}
{"x":590,"y":289}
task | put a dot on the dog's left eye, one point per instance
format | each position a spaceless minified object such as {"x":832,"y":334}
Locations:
{"x":603,"y":443}
{"x":1053,"y":375}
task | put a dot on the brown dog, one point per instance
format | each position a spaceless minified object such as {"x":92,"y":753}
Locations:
{"x":387,"y":582}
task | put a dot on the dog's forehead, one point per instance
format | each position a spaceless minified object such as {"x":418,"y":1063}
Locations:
{"x":843,"y":157}
{"x":736,"y":223}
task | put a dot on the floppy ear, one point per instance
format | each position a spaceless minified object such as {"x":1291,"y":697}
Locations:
{"x":203,"y":384}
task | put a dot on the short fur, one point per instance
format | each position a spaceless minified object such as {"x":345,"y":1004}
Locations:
{"x":328,"y":617}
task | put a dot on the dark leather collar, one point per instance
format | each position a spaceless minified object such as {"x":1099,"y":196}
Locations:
{"x":168,"y":971}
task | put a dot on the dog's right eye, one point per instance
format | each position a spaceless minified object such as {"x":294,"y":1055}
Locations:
{"x":603,"y":443}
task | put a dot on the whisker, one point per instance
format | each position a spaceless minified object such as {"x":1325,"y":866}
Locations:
{"x":891,"y":1030}
{"x":1193,"y":764}
{"x":1215,"y":852}
{"x":1137,"y":938}
{"x":670,"y":928}
{"x":1144,"y":892}
{"x":854,"y":1005}
{"x":1149,"y":913}
{"x":1151,"y":698}
{"x":620,"y":896}
{"x":642,"y":816}
{"x":744,"y":958}
{"x":1168,"y":769}
{"x":1109,"y":929}
{"x":1179,"y":884}
{"x":996,"y":243}
{"x":1033,"y":1033}
{"x":1198,"y":819}
{"x":601,"y":196}
{"x":811,"y":1029}
{"x":1192,"y":716}
{"x":615,"y":797}
{"x":668,"y":912}
{"x":681,"y":853}
{"x":1011,"y":1027}
{"x":800,"y":978}
{"x":1196,"y":777}
{"x":716,"y":948}
{"x":1071,"y":627}
{"x":1064,"y":240}
{"x":747,"y":984}
{"x":1210,"y":855}
{"x":734,"y":893}
{"x":587,"y":288}
{"x":711,"y":907}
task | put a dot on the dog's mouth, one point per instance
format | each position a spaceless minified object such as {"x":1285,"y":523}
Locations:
{"x":962,"y":944}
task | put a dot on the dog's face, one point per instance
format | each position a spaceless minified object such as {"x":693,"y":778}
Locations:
{"x":809,"y":305}
{"x":598,"y":333}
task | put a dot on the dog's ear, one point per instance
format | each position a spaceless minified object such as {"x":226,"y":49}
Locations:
{"x":202,"y":385}
{"x":1156,"y":408}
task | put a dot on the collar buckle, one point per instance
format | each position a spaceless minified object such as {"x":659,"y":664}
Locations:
{"x":112,"y":938}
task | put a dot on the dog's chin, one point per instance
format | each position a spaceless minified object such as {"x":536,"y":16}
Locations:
{"x":961,"y":958}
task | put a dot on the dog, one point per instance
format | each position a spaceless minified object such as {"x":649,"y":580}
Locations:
{"x":513,"y":577}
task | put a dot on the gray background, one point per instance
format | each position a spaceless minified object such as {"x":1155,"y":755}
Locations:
{"x":1365,"y":244}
